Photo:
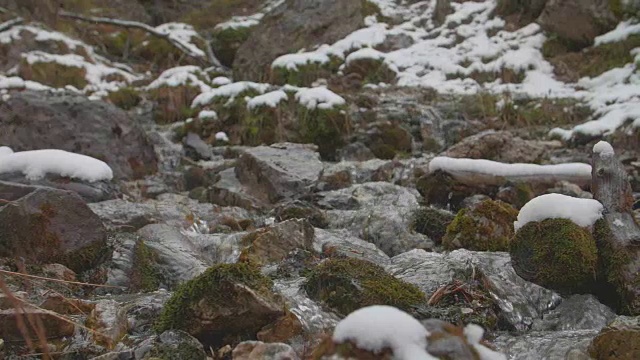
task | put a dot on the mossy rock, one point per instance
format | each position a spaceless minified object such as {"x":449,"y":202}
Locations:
{"x":226,"y":304}
{"x":225,"y":42}
{"x":173,"y":103}
{"x":441,"y":190}
{"x":144,"y":276}
{"x":431,"y":222}
{"x":272,"y":244}
{"x":487,"y":226}
{"x":327,"y":128}
{"x":390,"y":140}
{"x":618,"y":340}
{"x":54,"y":74}
{"x":125,"y":98}
{"x":556,"y":254}
{"x":347,"y":284}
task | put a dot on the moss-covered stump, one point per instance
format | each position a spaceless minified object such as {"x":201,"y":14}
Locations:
{"x":618,"y":268}
{"x":125,"y":98}
{"x":619,"y":340}
{"x":431,"y":222}
{"x":226,"y":40}
{"x":347,"y":284}
{"x":327,"y":128}
{"x":226,"y":304}
{"x":52,"y":226}
{"x":173,"y":103}
{"x":53,"y":74}
{"x":556,"y":254}
{"x":487,"y":226}
{"x":272,"y":244}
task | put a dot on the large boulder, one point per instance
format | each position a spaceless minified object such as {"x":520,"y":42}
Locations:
{"x":45,"y":120}
{"x":618,"y":340}
{"x":578,"y":22}
{"x":52,"y":226}
{"x":294,"y":25}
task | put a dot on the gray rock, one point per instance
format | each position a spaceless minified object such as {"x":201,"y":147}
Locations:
{"x":578,"y":21}
{"x":280,"y":171}
{"x":229,"y":191}
{"x":121,"y":265}
{"x":272,"y":244}
{"x":501,"y":146}
{"x":578,"y":312}
{"x":143,"y":311}
{"x":294,"y":25}
{"x":198,"y":149}
{"x":520,"y":302}
{"x":561,"y":345}
{"x":46,"y":120}
{"x":342,"y":242}
{"x":52,"y":226}
{"x":12,"y":185}
{"x":177,"y":259}
{"x":257,"y":350}
{"x":171,"y":344}
{"x":378,"y":213}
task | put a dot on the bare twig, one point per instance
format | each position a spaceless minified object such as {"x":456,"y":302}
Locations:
{"x":141,"y":26}
{"x":58,"y":280}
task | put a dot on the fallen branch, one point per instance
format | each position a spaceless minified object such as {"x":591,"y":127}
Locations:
{"x":58,"y":280}
{"x":11,"y":23}
{"x":144,"y":27}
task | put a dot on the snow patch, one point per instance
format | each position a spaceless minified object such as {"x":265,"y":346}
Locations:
{"x":481,"y":166}
{"x":620,"y":33}
{"x":270,"y":99}
{"x":319,"y":97}
{"x":583,"y":212}
{"x":180,"y":76}
{"x":229,"y":91}
{"x":603,"y":148}
{"x":35,"y":164}
{"x":366,"y":53}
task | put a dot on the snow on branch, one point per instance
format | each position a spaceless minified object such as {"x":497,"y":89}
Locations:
{"x":11,"y":23}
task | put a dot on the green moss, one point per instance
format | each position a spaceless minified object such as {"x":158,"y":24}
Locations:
{"x":556,"y":254}
{"x":182,"y":346}
{"x":431,"y":222}
{"x":261,"y":126}
{"x":54,"y":74}
{"x":487,"y":227}
{"x":212,"y":286}
{"x":125,"y":98}
{"x":217,"y":11}
{"x":226,"y":42}
{"x":609,"y":56}
{"x":327,"y":128}
{"x":347,"y":284}
{"x":144,"y":276}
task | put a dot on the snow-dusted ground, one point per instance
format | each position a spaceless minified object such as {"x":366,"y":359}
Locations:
{"x":444,"y":56}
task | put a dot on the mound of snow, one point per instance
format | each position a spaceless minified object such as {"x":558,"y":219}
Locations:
{"x":292,"y":61}
{"x":375,"y":328}
{"x":270,"y":99}
{"x":229,"y":91}
{"x":366,"y":53}
{"x":179,"y":76}
{"x":583,"y":212}
{"x":36,"y":164}
{"x":319,"y":97}
{"x":603,"y":148}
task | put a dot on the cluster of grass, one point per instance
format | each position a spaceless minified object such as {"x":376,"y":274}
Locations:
{"x":53,"y":74}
